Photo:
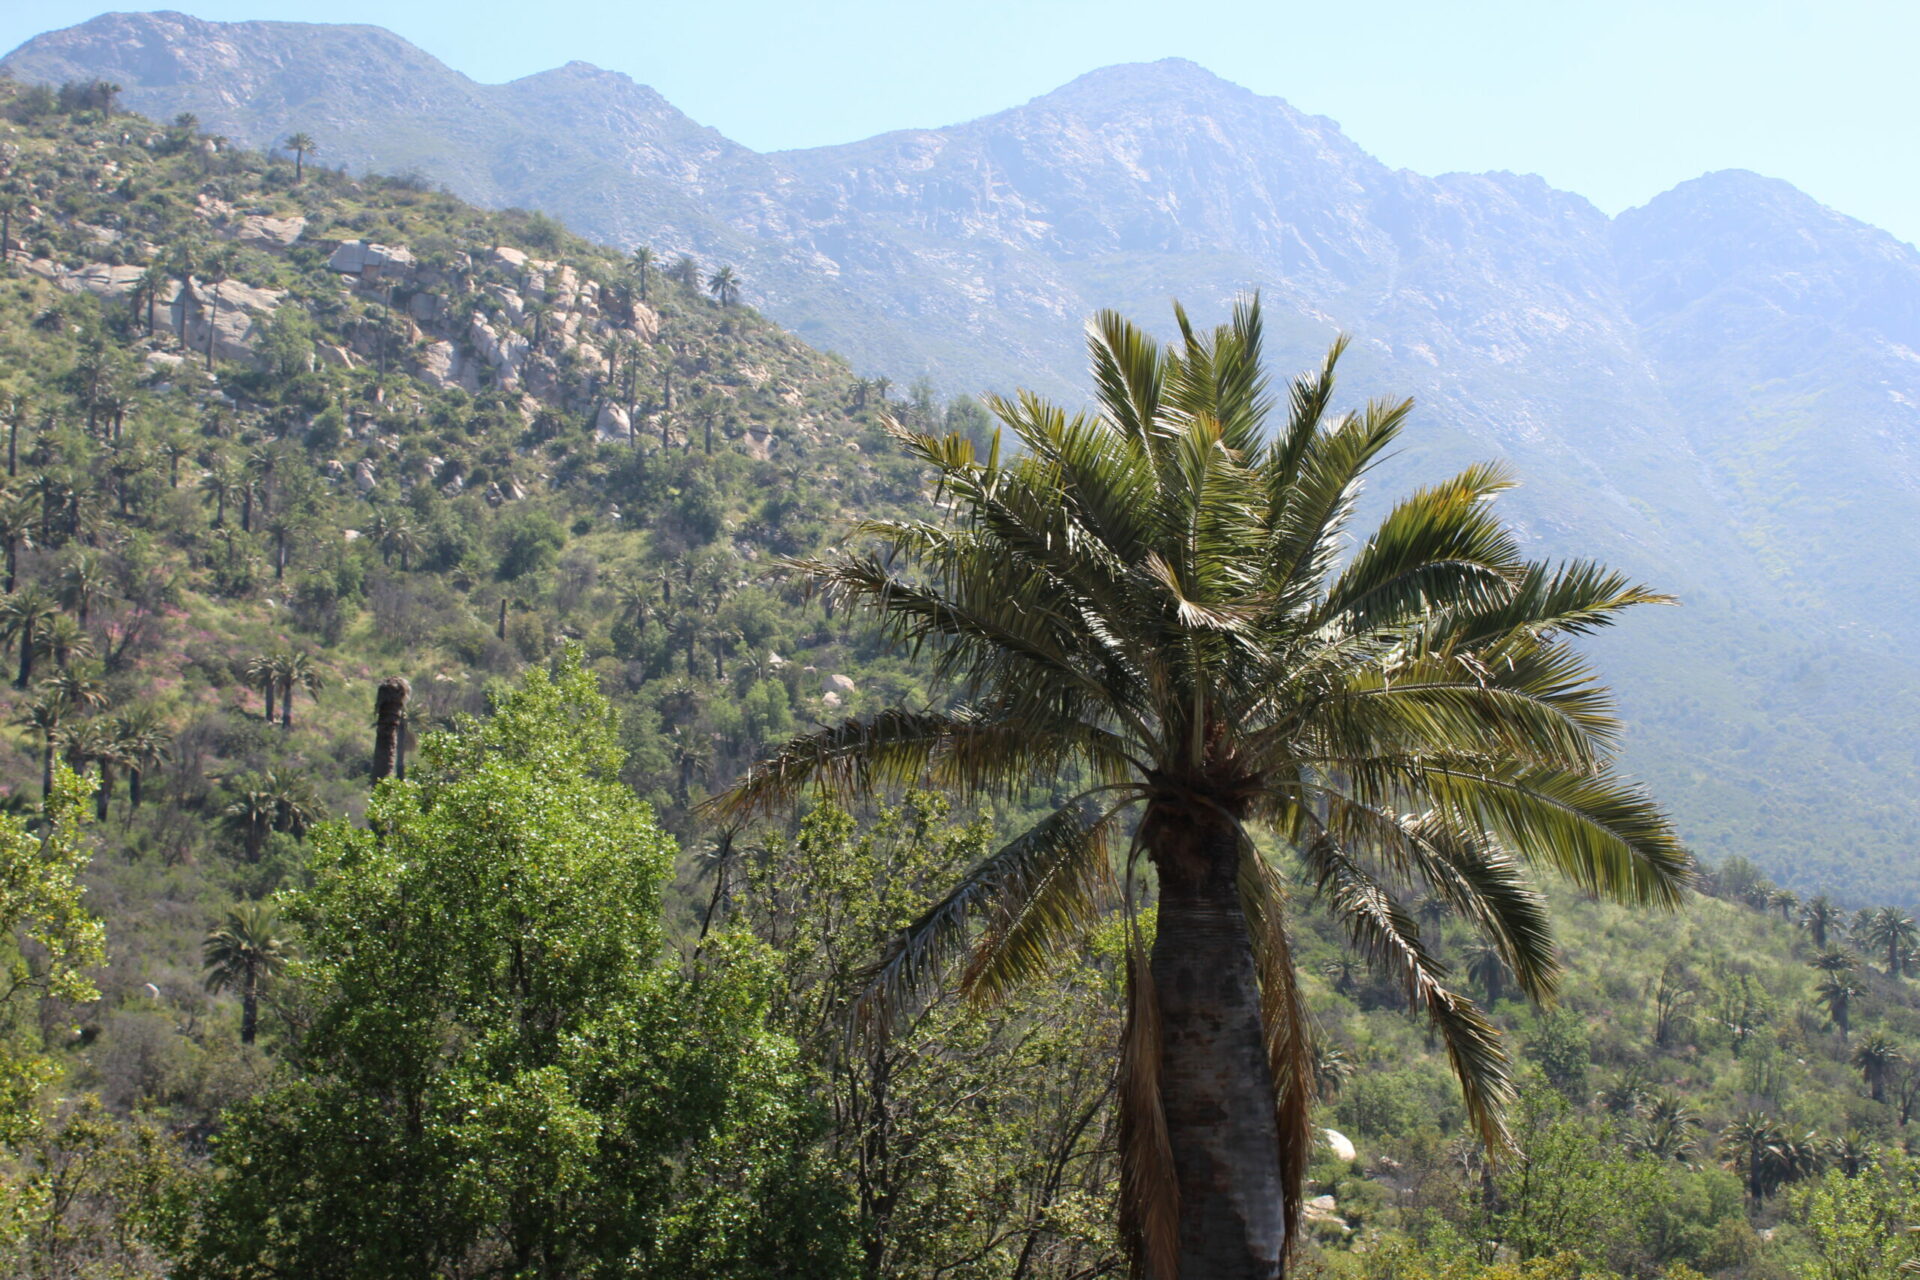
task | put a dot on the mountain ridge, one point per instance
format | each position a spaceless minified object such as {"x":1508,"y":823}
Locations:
{"x":1716,"y":391}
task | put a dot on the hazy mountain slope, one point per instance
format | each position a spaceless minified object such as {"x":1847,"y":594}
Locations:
{"x":1717,"y":392}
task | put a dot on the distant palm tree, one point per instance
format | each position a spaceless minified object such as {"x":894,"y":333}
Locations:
{"x":1759,"y":1150}
{"x":1875,"y":1058}
{"x":144,"y":742}
{"x":243,"y":955}
{"x":1893,"y":933}
{"x":1163,"y":597}
{"x":221,"y":485}
{"x":1836,"y":992}
{"x":1852,"y":1153}
{"x":253,"y":810}
{"x":43,"y":717}
{"x":263,"y":671}
{"x":63,"y":639}
{"x":18,"y":520}
{"x":1668,"y":1129}
{"x":81,"y":690}
{"x":642,"y":264}
{"x":724,"y":285}
{"x":1332,"y":1068}
{"x":1821,"y":919}
{"x":1834,"y":960}
{"x":1486,"y":966}
{"x":22,"y":615}
{"x":295,"y":670}
{"x":302,"y":145}
{"x":1784,"y":901}
{"x":85,"y":583}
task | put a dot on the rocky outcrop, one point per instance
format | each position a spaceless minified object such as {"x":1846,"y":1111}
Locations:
{"x":259,"y":231}
{"x":371,"y":261}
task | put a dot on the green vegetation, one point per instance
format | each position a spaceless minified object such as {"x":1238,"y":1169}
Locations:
{"x":521,"y":1011}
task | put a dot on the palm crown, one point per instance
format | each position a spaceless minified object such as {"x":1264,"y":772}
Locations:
{"x":1157,"y":598}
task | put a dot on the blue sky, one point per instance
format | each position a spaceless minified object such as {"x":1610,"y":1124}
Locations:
{"x":1615,"y":100}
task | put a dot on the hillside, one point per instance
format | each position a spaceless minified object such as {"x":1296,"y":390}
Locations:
{"x":298,"y":429}
{"x":1716,"y":391}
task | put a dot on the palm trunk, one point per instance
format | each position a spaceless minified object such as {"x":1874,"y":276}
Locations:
{"x":1216,"y":1084}
{"x":26,"y":658}
{"x":103,"y":795}
{"x":286,"y":706}
{"x":133,"y":789}
{"x":249,"y":1009}
{"x":46,"y":770}
{"x":266,"y":689}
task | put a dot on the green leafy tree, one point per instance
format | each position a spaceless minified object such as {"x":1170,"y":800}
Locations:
{"x":1150,"y":601}
{"x":1861,"y":1228}
{"x":243,"y":955}
{"x":48,"y":943}
{"x":499,"y":1073}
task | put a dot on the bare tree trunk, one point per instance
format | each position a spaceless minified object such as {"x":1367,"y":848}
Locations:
{"x":1216,"y":1085}
{"x":389,"y":720}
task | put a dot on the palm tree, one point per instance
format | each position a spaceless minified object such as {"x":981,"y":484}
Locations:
{"x":1852,"y":1153}
{"x":63,"y":639}
{"x":1875,"y":1059}
{"x":1784,"y":901}
{"x":1486,"y":966}
{"x":1834,"y":960}
{"x":144,"y":741}
{"x":80,"y":690}
{"x":43,"y":717}
{"x":1756,"y":1147}
{"x":295,"y":804}
{"x":147,"y":293}
{"x":218,"y":268}
{"x":1332,"y":1068}
{"x":263,"y":669}
{"x":302,"y":145}
{"x":95,"y":742}
{"x":1893,"y":933}
{"x":220,"y":485}
{"x":642,"y":264}
{"x":253,"y":810}
{"x":84,"y":583}
{"x":295,"y":670}
{"x":243,"y":955}
{"x":724,"y":285}
{"x":22,"y":615}
{"x":1836,"y":991}
{"x":1668,"y":1130}
{"x":18,"y":519}
{"x":1821,"y":919}
{"x":1152,"y":599}
{"x":393,"y":534}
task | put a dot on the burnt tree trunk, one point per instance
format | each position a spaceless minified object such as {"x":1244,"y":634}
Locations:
{"x":389,"y":725}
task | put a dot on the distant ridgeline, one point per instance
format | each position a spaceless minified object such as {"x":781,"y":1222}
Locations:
{"x":1718,"y":392}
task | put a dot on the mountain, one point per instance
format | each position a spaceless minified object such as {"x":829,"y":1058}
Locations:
{"x":1719,"y":391}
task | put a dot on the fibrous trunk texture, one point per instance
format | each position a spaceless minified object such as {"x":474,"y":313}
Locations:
{"x":1216,"y":1084}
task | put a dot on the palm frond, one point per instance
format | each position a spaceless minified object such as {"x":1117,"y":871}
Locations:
{"x":1382,"y":932}
{"x":1149,"y":1189}
{"x":1026,"y":888}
